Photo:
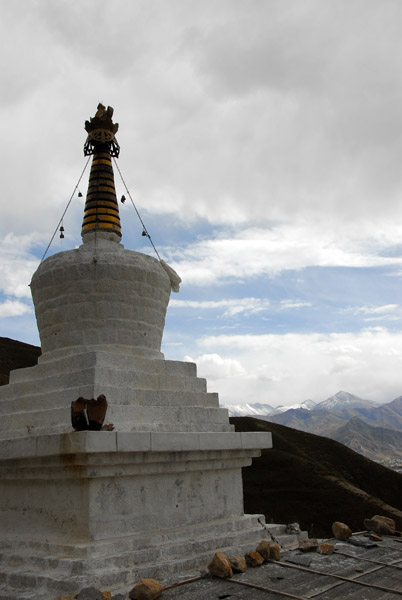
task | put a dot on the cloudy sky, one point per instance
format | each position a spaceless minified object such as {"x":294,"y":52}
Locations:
{"x":261,"y":142}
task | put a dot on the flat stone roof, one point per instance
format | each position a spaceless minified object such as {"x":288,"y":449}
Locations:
{"x":296,"y":576}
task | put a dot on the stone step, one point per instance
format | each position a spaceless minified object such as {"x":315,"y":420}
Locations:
{"x":122,"y":397}
{"x":47,"y":577}
{"x":191,"y":427}
{"x":91,"y":360}
{"x":275,"y":528}
{"x":288,"y":541}
{"x":15,"y":563}
{"x":13,"y":394}
{"x":17,"y":594}
{"x":104,"y":378}
{"x":174,"y":414}
{"x":152,"y":539}
{"x":124,"y":418}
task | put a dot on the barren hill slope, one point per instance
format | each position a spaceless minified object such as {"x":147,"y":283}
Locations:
{"x":16,"y":355}
{"x":373,"y":442}
{"x":315,"y":481}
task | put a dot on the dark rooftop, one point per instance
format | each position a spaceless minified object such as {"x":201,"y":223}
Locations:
{"x":373,"y":573}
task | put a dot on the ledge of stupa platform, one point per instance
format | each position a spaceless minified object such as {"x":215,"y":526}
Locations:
{"x":88,"y":486}
{"x":106,"y":508}
{"x":95,"y":442}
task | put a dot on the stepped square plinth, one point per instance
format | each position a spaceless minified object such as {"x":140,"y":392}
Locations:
{"x":162,"y":492}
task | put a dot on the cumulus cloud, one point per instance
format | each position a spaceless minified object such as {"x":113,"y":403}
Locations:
{"x":387,"y":312}
{"x":284,"y":369}
{"x":14,"y":308}
{"x":252,"y":112}
{"x":231,"y":307}
{"x":17,"y":265}
{"x":289,"y":304}
{"x":276,"y":125}
{"x":254,"y":252}
{"x":239,"y":307}
{"x":215,"y":367}
{"x":377,"y":310}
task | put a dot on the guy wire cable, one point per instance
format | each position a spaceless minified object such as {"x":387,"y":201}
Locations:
{"x":145,"y":231}
{"x":66,"y":209}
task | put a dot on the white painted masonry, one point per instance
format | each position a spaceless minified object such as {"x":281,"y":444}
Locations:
{"x":101,"y":295}
{"x":156,"y":497}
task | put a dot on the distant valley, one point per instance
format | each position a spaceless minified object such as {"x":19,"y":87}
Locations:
{"x":370,"y":428}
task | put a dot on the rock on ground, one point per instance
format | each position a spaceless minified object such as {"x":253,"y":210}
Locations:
{"x":237,"y":563}
{"x":146,"y":589}
{"x":309,"y":545}
{"x":253,"y":559}
{"x":341,"y":531}
{"x":263,"y":548}
{"x":380,"y":524}
{"x":220,"y":566}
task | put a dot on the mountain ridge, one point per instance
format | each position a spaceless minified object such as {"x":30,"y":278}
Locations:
{"x":363,"y":425}
{"x":342,"y":400}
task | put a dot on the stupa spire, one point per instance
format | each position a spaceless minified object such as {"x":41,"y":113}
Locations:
{"x":101,"y":207}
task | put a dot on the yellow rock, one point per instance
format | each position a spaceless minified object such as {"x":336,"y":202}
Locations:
{"x":253,"y":559}
{"x":274,"y":551}
{"x":341,"y":531}
{"x":263,"y":549}
{"x":325,"y":548}
{"x":380,"y":524}
{"x":147,"y":589}
{"x":238,"y":564}
{"x":220,"y":566}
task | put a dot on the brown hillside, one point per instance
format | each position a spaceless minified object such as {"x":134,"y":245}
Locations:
{"x":16,"y":355}
{"x":376,"y":443}
{"x":315,"y":481}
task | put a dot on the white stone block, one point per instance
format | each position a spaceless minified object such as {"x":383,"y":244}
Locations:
{"x":18,"y":448}
{"x":73,"y":442}
{"x":136,"y":441}
{"x":220,"y":441}
{"x":256,"y":439}
{"x":100,"y":441}
{"x":48,"y":445}
{"x":174,"y":441}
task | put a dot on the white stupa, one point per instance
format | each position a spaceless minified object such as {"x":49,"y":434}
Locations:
{"x":163,"y":491}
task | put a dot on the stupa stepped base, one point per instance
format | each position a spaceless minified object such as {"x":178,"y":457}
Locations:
{"x":118,"y":564}
{"x":106,"y":508}
{"x":118,"y":358}
{"x":31,"y":571}
{"x":124,"y":418}
{"x":143,"y":394}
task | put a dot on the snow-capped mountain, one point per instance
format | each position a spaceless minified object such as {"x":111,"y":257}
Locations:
{"x":343,"y":400}
{"x":307,"y":405}
{"x":260,"y":409}
{"x":249,"y":410}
